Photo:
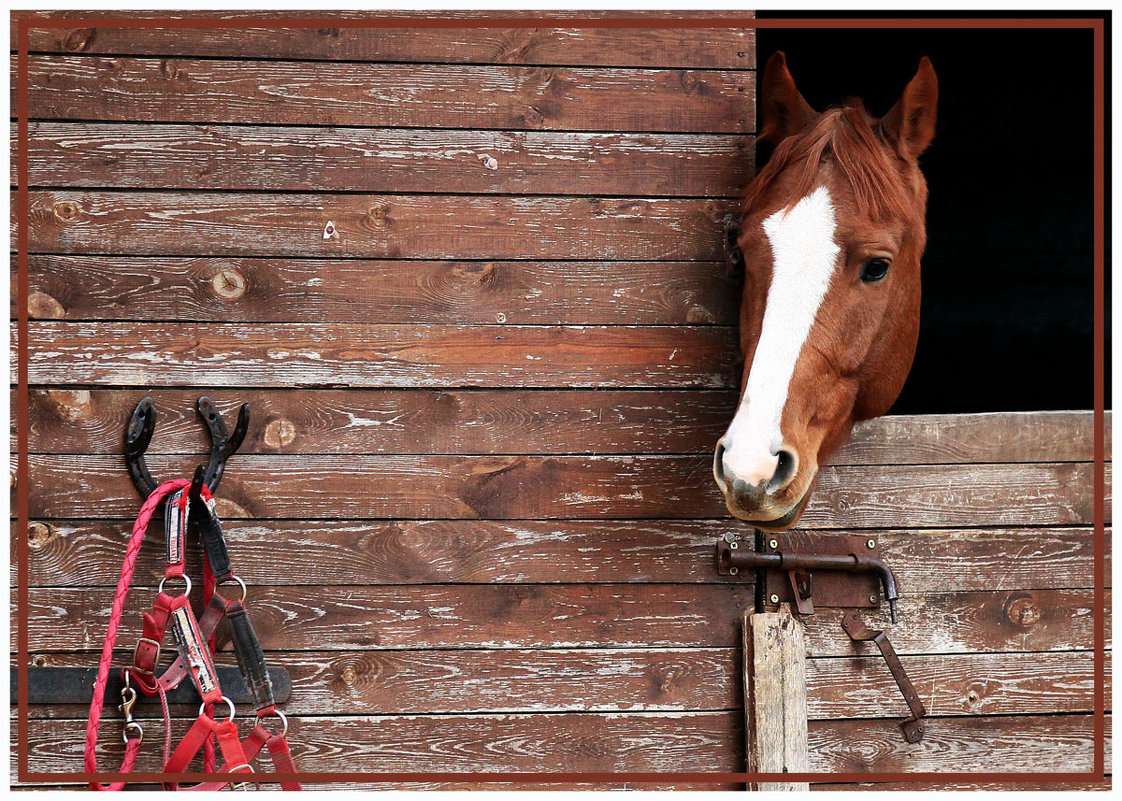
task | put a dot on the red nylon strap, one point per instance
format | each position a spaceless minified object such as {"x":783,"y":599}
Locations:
{"x":146,"y":656}
{"x":117,"y":609}
{"x":282,"y":759}
{"x":189,"y":746}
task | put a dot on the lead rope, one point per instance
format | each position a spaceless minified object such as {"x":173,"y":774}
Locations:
{"x":195,"y":640}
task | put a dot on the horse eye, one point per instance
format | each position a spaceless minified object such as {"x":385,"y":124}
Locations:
{"x":874,"y":270}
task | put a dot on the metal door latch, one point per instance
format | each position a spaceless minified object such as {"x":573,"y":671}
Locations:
{"x":806,"y":568}
{"x":858,"y":632}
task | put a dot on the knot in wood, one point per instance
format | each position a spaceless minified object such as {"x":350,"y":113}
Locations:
{"x":1022,"y":610}
{"x":228,"y":284}
{"x":77,"y":40}
{"x":279,"y":433}
{"x":66,"y":210}
{"x":349,"y":675}
{"x":70,"y":405}
{"x":41,"y":306}
{"x":972,"y":700}
{"x":169,"y":70}
{"x":38,"y":534}
{"x":39,"y":660}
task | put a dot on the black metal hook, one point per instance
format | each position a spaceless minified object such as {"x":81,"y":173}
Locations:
{"x":138,"y":435}
{"x":223,"y":444}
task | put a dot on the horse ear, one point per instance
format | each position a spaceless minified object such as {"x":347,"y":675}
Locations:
{"x":910,"y":124}
{"x":783,"y":111}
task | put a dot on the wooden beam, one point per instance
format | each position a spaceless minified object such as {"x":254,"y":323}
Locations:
{"x":775,"y":697}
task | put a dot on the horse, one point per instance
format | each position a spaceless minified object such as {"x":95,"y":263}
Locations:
{"x":831,"y":234}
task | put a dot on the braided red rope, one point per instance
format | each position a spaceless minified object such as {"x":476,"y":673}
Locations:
{"x":138,"y":530}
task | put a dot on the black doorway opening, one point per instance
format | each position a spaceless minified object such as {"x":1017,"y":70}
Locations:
{"x":1008,"y":296}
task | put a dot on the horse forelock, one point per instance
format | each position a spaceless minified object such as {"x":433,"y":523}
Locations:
{"x":845,"y":138}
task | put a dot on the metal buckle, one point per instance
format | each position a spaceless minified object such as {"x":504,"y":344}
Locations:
{"x":155,"y":662}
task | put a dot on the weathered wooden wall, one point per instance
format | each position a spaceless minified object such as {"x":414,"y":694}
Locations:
{"x":475,"y":505}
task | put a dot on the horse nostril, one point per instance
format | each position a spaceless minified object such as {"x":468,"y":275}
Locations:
{"x":719,"y":465}
{"x":784,"y":471}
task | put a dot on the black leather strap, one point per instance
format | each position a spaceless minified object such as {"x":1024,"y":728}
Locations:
{"x":251,"y":659}
{"x":210,"y":529}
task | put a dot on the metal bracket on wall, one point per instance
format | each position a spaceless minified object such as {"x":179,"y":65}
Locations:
{"x":858,"y":632}
{"x":830,"y":571}
{"x":809,"y":568}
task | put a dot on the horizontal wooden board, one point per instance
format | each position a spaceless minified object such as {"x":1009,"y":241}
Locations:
{"x":375,"y":226}
{"x":510,"y":421}
{"x":656,"y":742}
{"x":392,"y":421}
{"x":437,"y":356}
{"x":614,"y":680}
{"x":722,"y":45}
{"x":389,"y":95}
{"x":511,"y":681}
{"x":463,"y":616}
{"x":284,"y":158}
{"x":89,"y":552}
{"x":572,"y":487}
{"x":959,"y":684}
{"x":969,"y":622}
{"x":992,"y":744}
{"x":228,"y":290}
{"x":1041,"y":785}
{"x":987,"y":437}
{"x":582,"y":616}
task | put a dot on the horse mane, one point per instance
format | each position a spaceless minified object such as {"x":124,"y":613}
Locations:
{"x":844,"y":137}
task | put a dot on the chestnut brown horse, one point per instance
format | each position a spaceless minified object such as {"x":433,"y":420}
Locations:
{"x":831,"y":235}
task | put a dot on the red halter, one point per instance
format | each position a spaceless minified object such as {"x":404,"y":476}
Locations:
{"x":195,"y":642}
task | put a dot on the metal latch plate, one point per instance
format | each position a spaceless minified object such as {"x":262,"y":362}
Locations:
{"x":830,"y":589}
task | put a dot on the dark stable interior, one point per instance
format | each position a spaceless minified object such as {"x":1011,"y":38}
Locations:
{"x":1008,"y":297}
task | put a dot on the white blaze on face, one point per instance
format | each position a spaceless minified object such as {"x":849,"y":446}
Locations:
{"x":804,"y":256}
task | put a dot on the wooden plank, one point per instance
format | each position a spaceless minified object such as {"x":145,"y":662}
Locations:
{"x":992,"y":744}
{"x":392,"y":421}
{"x":1013,"y":786}
{"x":774,"y":676}
{"x":720,"y":46}
{"x":326,"y":355}
{"x":990,"y":437}
{"x":570,"y":487}
{"x":375,"y":226}
{"x":390,"y":95}
{"x":955,"y":684}
{"x":459,"y":616}
{"x":469,"y":681}
{"x":88,"y":553}
{"x":77,"y":553}
{"x":646,"y":679}
{"x":484,"y":421}
{"x":547,"y":743}
{"x":228,"y":290}
{"x":581,"y":616}
{"x":286,"y":158}
{"x":666,"y":742}
{"x":971,"y":622}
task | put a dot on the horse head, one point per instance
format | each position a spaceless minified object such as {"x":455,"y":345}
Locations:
{"x":831,"y":236}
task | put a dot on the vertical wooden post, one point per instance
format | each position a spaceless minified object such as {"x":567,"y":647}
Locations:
{"x":775,"y":696}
